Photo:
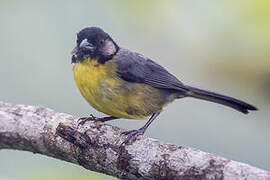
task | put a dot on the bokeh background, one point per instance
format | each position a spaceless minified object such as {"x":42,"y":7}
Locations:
{"x":222,"y":46}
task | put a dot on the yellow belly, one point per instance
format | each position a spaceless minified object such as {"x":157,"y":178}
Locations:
{"x":107,"y":93}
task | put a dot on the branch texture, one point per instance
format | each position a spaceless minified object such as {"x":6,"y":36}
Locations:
{"x":96,"y":146}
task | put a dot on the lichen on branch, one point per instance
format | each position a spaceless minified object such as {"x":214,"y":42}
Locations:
{"x":97,"y":147}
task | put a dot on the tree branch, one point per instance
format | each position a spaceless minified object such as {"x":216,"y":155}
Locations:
{"x":44,"y":131}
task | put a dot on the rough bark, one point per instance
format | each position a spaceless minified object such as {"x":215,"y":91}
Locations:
{"x":44,"y":131}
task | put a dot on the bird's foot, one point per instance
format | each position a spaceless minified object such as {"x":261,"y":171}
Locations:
{"x":132,"y":135}
{"x":83,"y":120}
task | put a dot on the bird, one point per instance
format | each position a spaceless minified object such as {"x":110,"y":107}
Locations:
{"x":125,"y":84}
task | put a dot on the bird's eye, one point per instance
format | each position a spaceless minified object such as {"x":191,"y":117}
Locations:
{"x":102,"y":41}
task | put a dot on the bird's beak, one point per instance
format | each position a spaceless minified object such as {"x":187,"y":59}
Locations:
{"x":86,"y":45}
{"x":84,"y":48}
{"x":74,"y":55}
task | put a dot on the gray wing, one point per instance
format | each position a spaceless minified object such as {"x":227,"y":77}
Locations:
{"x":134,"y":67}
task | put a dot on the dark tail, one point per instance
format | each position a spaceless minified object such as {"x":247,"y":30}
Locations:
{"x":220,"y":99}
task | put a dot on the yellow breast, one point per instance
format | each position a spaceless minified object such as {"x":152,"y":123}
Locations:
{"x":106,"y":92}
{"x":102,"y":89}
{"x":91,"y":77}
{"x":89,"y":74}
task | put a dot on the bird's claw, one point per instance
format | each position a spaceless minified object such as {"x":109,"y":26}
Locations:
{"x":132,"y":135}
{"x":83,"y":120}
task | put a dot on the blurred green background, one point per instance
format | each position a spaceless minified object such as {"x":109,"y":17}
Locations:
{"x":222,"y":46}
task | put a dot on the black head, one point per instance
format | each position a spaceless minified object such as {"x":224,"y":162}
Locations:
{"x":95,"y":43}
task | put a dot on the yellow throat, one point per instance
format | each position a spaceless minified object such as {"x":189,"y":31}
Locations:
{"x":101,"y":88}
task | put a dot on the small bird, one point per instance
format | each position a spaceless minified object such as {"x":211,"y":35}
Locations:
{"x":125,"y":84}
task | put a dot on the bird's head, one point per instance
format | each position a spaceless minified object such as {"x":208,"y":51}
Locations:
{"x":93,"y":42}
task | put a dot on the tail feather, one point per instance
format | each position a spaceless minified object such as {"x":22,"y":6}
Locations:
{"x":221,"y":99}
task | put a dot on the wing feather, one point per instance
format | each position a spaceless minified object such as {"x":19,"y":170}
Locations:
{"x":134,"y":67}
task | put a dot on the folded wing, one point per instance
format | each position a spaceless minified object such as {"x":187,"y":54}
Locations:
{"x":134,"y":67}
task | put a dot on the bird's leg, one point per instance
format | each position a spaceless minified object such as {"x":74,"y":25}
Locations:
{"x":83,"y":120}
{"x":133,"y":134}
